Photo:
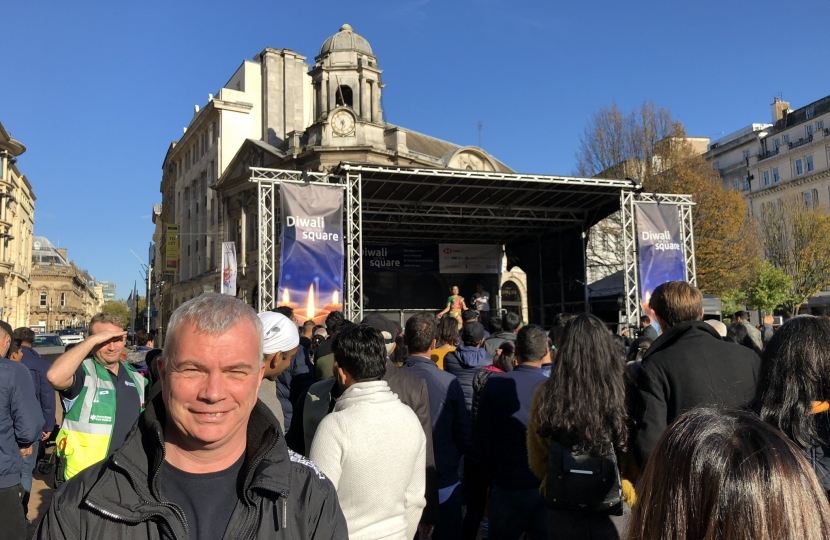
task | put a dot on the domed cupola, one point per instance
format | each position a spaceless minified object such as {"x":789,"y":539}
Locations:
{"x":346,"y":76}
{"x":346,"y":40}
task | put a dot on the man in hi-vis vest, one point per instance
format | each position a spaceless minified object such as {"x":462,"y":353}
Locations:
{"x":101,"y":395}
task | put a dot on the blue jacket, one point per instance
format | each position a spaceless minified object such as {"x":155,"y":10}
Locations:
{"x":464,"y":362}
{"x":293,"y":382}
{"x":450,"y":421}
{"x":20,"y":419}
{"x":38,"y":366}
{"x":501,"y":426}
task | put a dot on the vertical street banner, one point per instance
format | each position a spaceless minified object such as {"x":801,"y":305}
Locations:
{"x":229,"y":268}
{"x":312,"y":255}
{"x":171,"y":259}
{"x":662,"y":257}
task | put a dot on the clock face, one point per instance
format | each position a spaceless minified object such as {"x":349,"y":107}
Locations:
{"x":342,"y":123}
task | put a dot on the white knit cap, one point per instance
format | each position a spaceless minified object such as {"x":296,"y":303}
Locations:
{"x":278,"y":333}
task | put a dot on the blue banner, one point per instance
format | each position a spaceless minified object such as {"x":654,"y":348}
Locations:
{"x":662,"y":257}
{"x":311,"y":259}
{"x":400,"y":258}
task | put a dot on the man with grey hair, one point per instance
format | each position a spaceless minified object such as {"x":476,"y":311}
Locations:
{"x":102,"y":397}
{"x":206,"y":459}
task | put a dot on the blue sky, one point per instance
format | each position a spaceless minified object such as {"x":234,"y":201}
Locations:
{"x":98,"y":90}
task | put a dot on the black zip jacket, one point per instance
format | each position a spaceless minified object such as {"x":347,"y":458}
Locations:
{"x":284,"y":496}
{"x":688,"y":366}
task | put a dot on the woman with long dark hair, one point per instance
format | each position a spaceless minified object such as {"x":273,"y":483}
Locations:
{"x":726,"y":475}
{"x":738,"y":333}
{"x":581,"y":407}
{"x":794,"y":388}
{"x":447,"y":340}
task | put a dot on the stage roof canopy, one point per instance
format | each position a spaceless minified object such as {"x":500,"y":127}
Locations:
{"x":458,"y":206}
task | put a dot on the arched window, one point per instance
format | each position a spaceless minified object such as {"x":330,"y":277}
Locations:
{"x":510,"y":292}
{"x":344,"y":96}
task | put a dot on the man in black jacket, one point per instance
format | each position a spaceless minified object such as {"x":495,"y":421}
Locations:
{"x":509,"y":327}
{"x":451,"y":436}
{"x":686,"y":367}
{"x":207,"y":460}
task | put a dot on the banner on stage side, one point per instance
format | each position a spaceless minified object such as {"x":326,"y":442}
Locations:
{"x":229,"y":268}
{"x":171,"y":255}
{"x":400,"y":258}
{"x":311,"y":260}
{"x":469,"y":258}
{"x":662,"y":257}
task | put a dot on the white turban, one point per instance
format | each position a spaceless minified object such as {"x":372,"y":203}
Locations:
{"x":278,"y":333}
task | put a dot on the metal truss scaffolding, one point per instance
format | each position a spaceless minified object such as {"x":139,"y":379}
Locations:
{"x":268,"y":220}
{"x":405,"y":204}
{"x":631,"y":272}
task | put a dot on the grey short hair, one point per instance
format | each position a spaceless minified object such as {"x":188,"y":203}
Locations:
{"x":212,"y":314}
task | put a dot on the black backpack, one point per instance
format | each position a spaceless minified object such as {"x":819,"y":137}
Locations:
{"x":583,"y":483}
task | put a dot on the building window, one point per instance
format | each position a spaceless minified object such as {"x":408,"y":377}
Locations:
{"x":809,"y":162}
{"x":799,"y":167}
{"x":746,"y":154}
{"x":809,"y":128}
{"x":746,"y":184}
{"x":766,"y":178}
{"x":820,"y":124}
{"x":736,"y":184}
{"x":63,"y":299}
{"x":775,"y":176}
{"x":811,"y":112}
{"x":43,"y":299}
{"x":777,"y":143}
{"x":717,"y":164}
{"x":215,"y":133}
{"x":808,"y":199}
{"x":786,"y":139}
{"x":344,"y":96}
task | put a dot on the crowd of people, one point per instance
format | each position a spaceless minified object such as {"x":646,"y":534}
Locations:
{"x":259,"y":425}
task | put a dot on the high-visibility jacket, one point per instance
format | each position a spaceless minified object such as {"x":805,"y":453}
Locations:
{"x":86,"y":431}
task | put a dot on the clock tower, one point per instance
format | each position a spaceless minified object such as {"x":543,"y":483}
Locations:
{"x":346,"y":93}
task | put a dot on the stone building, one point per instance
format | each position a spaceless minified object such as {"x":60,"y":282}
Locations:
{"x":278,"y":111}
{"x":788,"y":158}
{"x":62,"y":296}
{"x":17,"y":208}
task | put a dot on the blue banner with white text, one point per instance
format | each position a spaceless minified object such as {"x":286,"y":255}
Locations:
{"x":400,"y":258}
{"x":311,"y":259}
{"x":662,"y":257}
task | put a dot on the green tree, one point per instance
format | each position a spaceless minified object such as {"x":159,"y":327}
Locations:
{"x":770,"y":288}
{"x":118,"y":307}
{"x":797,"y":241}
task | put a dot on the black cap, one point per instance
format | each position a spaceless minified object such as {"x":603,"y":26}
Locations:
{"x":384,"y":326}
{"x":469,"y":315}
{"x":473,"y":333}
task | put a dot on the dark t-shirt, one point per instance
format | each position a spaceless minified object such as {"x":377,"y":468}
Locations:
{"x":323,"y":348}
{"x":207,"y":500}
{"x":127,"y":403}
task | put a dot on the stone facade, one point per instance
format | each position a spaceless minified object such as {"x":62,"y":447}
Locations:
{"x":790,"y":157}
{"x":277,"y":111}
{"x":17,"y":208}
{"x":62,"y":296}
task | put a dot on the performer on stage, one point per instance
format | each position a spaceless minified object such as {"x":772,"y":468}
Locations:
{"x":455,"y":305}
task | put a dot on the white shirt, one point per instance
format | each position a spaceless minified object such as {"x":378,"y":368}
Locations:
{"x":482,"y":300}
{"x":373,"y":449}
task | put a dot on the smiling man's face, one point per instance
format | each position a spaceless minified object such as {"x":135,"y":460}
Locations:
{"x":210,"y":387}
